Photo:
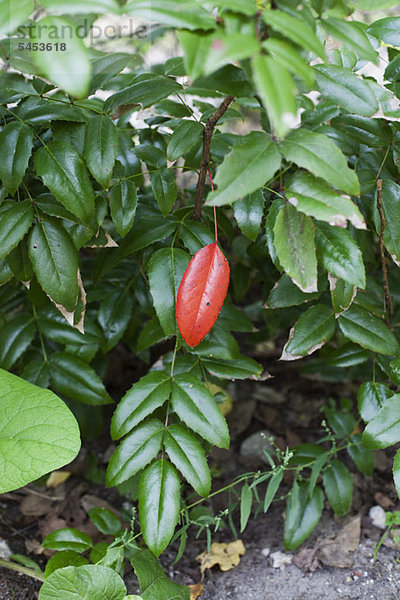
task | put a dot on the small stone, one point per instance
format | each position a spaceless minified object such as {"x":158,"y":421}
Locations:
{"x":5,"y":551}
{"x":280,"y":559}
{"x":265,"y":551}
{"x":377,"y":516}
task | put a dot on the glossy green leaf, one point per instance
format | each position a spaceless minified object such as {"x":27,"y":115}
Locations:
{"x":146,"y":231}
{"x":249,"y":213}
{"x":364,"y":328}
{"x":183,"y":15}
{"x":15,"y":221}
{"x":195,"y":235}
{"x":285,"y":293}
{"x":74,"y":378}
{"x":289,"y":58}
{"x":295,"y":29}
{"x":371,"y":397}
{"x":346,"y":89}
{"x":101,"y":148}
{"x":114,"y":315}
{"x":64,"y":173}
{"x":145,"y":90}
{"x":154,"y":583}
{"x":240,"y":368}
{"x":342,"y":294}
{"x":151,"y":334}
{"x":365,"y":130}
{"x":165,"y":190}
{"x":69,"y":68}
{"x":362,"y":457}
{"x":383,"y":429}
{"x":185,"y":136}
{"x":276,"y":88}
{"x":188,"y":456}
{"x":295,"y":247}
{"x":15,"y":337}
{"x":87,"y":581}
{"x":342,"y":422}
{"x":159,"y":502}
{"x":165,"y":271}
{"x":312,"y":196}
{"x":387,"y":30}
{"x":339,"y":254}
{"x":64,"y":558}
{"x":338,"y":484}
{"x":253,"y":160}
{"x":68,"y":539}
{"x":196,"y":407}
{"x":105,"y":520}
{"x":352,"y":35}
{"x":348,"y":355}
{"x":55,"y":262}
{"x":16,"y":141}
{"x":123,"y":202}
{"x":302,"y":514}
{"x":314,"y":328}
{"x":317,"y":153}
{"x":135,"y":451}
{"x":46,"y":441}
{"x":391,"y":211}
{"x":149,"y":393}
{"x":36,"y":371}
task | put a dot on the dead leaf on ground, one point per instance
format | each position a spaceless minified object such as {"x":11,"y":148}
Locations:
{"x":227,"y":556}
{"x":56,"y":478}
{"x":35,"y":506}
{"x":306,"y":559}
{"x":383,"y":501}
{"x":196,"y":591}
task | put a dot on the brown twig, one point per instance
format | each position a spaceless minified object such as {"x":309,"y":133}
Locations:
{"x":388,"y":297}
{"x":207,"y":137}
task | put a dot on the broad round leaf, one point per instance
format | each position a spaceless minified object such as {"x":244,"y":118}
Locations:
{"x":88,"y":581}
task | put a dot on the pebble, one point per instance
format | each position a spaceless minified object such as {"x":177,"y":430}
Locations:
{"x":280,"y":559}
{"x":377,"y":516}
{"x":265,"y":551}
{"x":5,"y":551}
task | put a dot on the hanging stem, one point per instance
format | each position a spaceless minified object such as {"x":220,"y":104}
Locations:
{"x":215,"y":208}
{"x":388,"y":297}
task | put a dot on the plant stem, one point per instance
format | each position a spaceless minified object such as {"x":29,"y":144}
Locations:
{"x":7,"y":564}
{"x":207,"y":136}
{"x":388,"y":299}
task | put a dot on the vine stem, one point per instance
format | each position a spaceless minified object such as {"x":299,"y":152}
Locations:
{"x":388,"y":298}
{"x":7,"y":564}
{"x":207,"y":136}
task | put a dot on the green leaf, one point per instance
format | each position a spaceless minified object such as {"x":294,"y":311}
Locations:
{"x":88,"y":581}
{"x":391,"y":211}
{"x":196,"y":407}
{"x":149,"y":393}
{"x":371,"y":397}
{"x":146,"y":231}
{"x":74,"y":378}
{"x":186,"y":134}
{"x":312,"y":196}
{"x":395,"y":371}
{"x":154,"y":583}
{"x":253,"y":160}
{"x":82,"y":6}
{"x":240,"y":368}
{"x":348,"y":355}
{"x":55,"y":262}
{"x":317,"y":153}
{"x":16,"y":142}
{"x":288,"y":57}
{"x":123,"y":202}
{"x":69,"y":68}
{"x":371,"y":132}
{"x":46,"y":441}
{"x":277,"y":90}
{"x":68,"y":539}
{"x":302,"y":514}
{"x":338,"y":484}
{"x":285,"y":293}
{"x":352,"y":35}
{"x":135,"y":451}
{"x":249,"y":213}
{"x":342,"y":294}
{"x":37,"y":111}
{"x":346,"y":89}
{"x":64,"y":558}
{"x":188,"y":456}
{"x":195,"y":235}
{"x":150,"y":335}
{"x":396,"y":472}
{"x":339,"y":254}
{"x":362,"y":457}
{"x":165,"y":190}
{"x":364,"y":328}
{"x":15,"y":337}
{"x":36,"y":372}
{"x":15,"y":221}
{"x":383,"y":429}
{"x":12,"y":15}
{"x":105,"y":520}
{"x":314,"y":328}
{"x":64,"y":173}
{"x":295,"y":247}
{"x":295,"y":29}
{"x":342,"y":422}
{"x":386,"y":29}
{"x":114,"y":315}
{"x":246,"y":501}
{"x":272,"y":488}
{"x":165,"y":271}
{"x":101,"y":148}
{"x":159,"y":502}
{"x":145,"y":90}
{"x":183,"y":15}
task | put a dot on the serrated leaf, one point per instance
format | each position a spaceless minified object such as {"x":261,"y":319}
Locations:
{"x":64,"y":173}
{"x":339,"y":254}
{"x":184,"y":137}
{"x":16,"y":142}
{"x":188,"y":456}
{"x":135,"y":451}
{"x":338,"y":484}
{"x":146,"y":89}
{"x":114,"y":315}
{"x":146,"y":231}
{"x":46,"y":441}
{"x":15,"y":221}
{"x":295,"y":247}
{"x":352,"y":35}
{"x":101,"y":148}
{"x":123,"y":202}
{"x":302,"y":514}
{"x":201,"y":293}
{"x":55,"y":262}
{"x":317,"y":153}
{"x":253,"y":160}
{"x":196,"y":407}
{"x":165,"y":190}
{"x":154,"y":583}
{"x":383,"y":429}
{"x":242,"y":367}
{"x":74,"y":378}
{"x":295,"y":29}
{"x":371,"y":132}
{"x":249,"y":213}
{"x":314,"y":328}
{"x":87,"y":581}
{"x":159,"y":502}
{"x":364,"y":328}
{"x":15,"y":337}
{"x":344,"y":88}
{"x":149,"y":393}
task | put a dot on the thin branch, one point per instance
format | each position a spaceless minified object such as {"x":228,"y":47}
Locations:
{"x":388,"y":297}
{"x":207,"y":137}
{"x":7,"y":564}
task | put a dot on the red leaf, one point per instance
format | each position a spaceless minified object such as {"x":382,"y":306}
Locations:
{"x":201,"y":293}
